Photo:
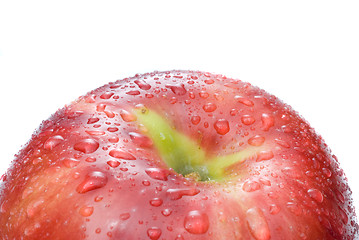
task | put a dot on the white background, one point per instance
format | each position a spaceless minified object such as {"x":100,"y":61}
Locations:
{"x":305,"y":52}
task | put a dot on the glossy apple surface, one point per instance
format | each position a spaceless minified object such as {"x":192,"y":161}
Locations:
{"x":176,"y":155}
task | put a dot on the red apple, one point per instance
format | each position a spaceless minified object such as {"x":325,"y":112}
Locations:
{"x":176,"y":155}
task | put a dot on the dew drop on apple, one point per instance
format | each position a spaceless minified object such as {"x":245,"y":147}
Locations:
{"x":267,"y":121}
{"x":93,"y":120}
{"x":100,"y":107}
{"x":256,"y":141}
{"x":316,"y":195}
{"x":95,"y":132}
{"x":179,"y":237}
{"x":125,"y":216}
{"x":282,"y":143}
{"x":52,"y":142}
{"x":34,"y":207}
{"x":127,"y":116}
{"x":113,"y":163}
{"x":257,"y":224}
{"x":221,"y":126}
{"x":70,"y":162}
{"x":195,"y":120}
{"x":196,"y":222}
{"x":209,"y":107}
{"x":251,"y":186}
{"x":121,"y":154}
{"x":244,"y":101}
{"x":166,"y":212}
{"x":327,"y":172}
{"x":107,"y":95}
{"x":142,"y":84}
{"x":294,"y":208}
{"x":86,"y":211}
{"x":140,"y":140}
{"x":203,"y":94}
{"x":177,"y":89}
{"x":264,"y":155}
{"x":92,"y":181}
{"x":247,"y":119}
{"x":154,"y":233}
{"x":87,"y":145}
{"x":156,"y":202}
{"x":158,"y":173}
{"x":291,"y":172}
{"x":274,"y":209}
{"x":178,"y":193}
{"x":133,"y":92}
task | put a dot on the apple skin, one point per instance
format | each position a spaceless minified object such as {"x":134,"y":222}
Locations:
{"x":95,"y":170}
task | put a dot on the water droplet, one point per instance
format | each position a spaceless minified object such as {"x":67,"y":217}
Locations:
{"x":86,"y":211}
{"x":282,"y":143}
{"x":112,"y":129}
{"x":156,"y":202}
{"x":264,"y":155}
{"x":203,"y":94}
{"x":52,"y":142}
{"x":274,"y":209}
{"x":244,"y":101}
{"x":257,"y":224}
{"x":125,"y":216}
{"x":127,"y":116}
{"x":294,"y":208}
{"x":70,"y":162}
{"x":92,"y":120}
{"x":340,"y":196}
{"x":154,"y":233}
{"x":166,"y":212}
{"x":267,"y":121}
{"x":179,"y":237}
{"x":113,"y":163}
{"x":100,"y":107}
{"x":146,"y":183}
{"x":247,"y":120}
{"x":209,"y":81}
{"x":73,"y":115}
{"x":177,"y":89}
{"x":327,"y":172}
{"x":195,"y":120}
{"x":95,"y":132}
{"x":316,"y":195}
{"x":209,"y":107}
{"x":218,"y":97}
{"x":175,"y":193}
{"x":92,"y":181}
{"x":34,"y":207}
{"x":140,"y":140}
{"x":256,"y":140}
{"x":291,"y":172}
{"x":343,"y":216}
{"x":142,"y":84}
{"x":113,"y":139}
{"x":109,"y":114}
{"x":251,"y":185}
{"x":221,"y":126}
{"x":32,"y":229}
{"x":196,"y":222}
{"x":121,"y":154}
{"x":87,"y":145}
{"x":158,"y":173}
{"x":90,"y":159}
{"x":133,"y":92}
{"x":107,"y":95}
